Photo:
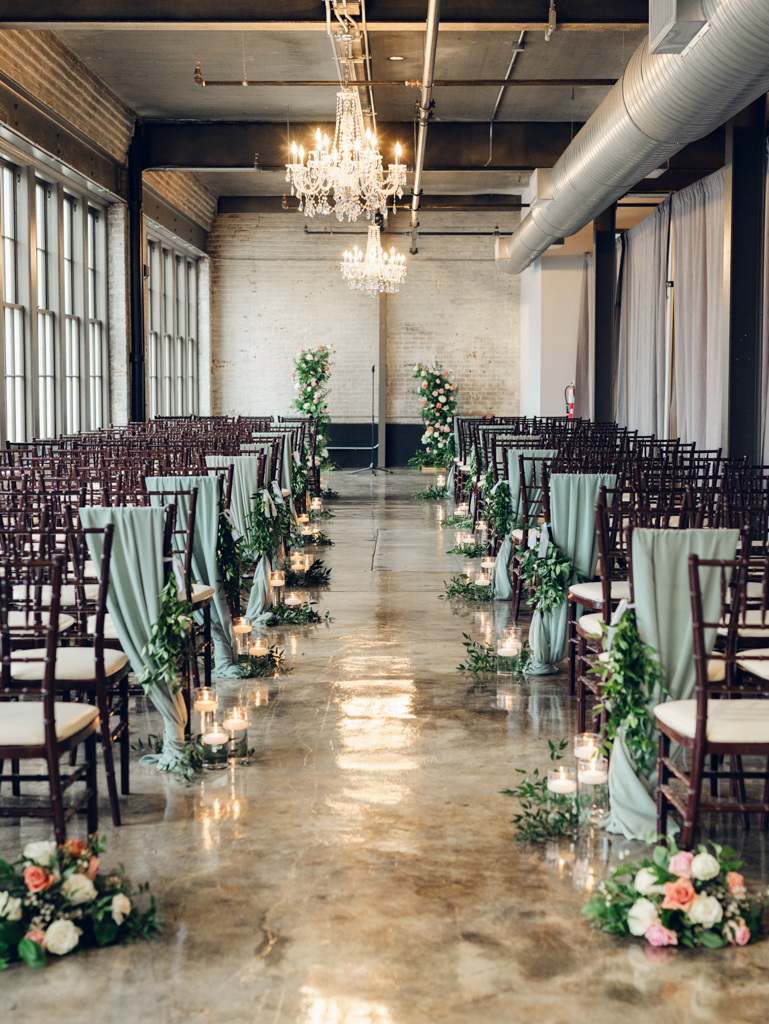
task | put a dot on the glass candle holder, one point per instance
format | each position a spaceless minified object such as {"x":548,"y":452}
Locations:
{"x":307,"y":535}
{"x":587,"y":745}
{"x":216,"y":747}
{"x":463,"y":509}
{"x":561,"y":789}
{"x":316,"y":505}
{"x":481,"y":526}
{"x":236,"y":724}
{"x":297,"y":561}
{"x":292,"y":600}
{"x":508,"y":652}
{"x":303,"y":518}
{"x":259,"y":648}
{"x":440,"y":481}
{"x":205,"y":698}
{"x":487,"y":562}
{"x":482,"y":579}
{"x":241,"y":634}
{"x":593,"y":782}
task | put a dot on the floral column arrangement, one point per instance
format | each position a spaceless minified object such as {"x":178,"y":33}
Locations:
{"x":312,"y":370}
{"x":439,"y":403}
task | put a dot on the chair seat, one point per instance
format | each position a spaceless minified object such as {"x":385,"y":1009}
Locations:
{"x":590,"y":625}
{"x":757,"y":624}
{"x":756,"y":668}
{"x":620,"y":591}
{"x":21,"y":723}
{"x":729,"y":721}
{"x":200,"y":592}
{"x":68,"y":597}
{"x":18,"y":619}
{"x":72,"y":664}
{"x":110,"y":632}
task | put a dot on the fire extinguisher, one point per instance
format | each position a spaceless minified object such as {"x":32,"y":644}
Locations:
{"x":569,"y":393}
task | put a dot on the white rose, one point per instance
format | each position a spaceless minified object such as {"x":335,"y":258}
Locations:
{"x":641,"y":916}
{"x":10,"y":907}
{"x":646,"y":882}
{"x":121,"y":908}
{"x":704,"y":866}
{"x":40,"y":853}
{"x":78,"y":889}
{"x":706,"y":910}
{"x":61,"y":937}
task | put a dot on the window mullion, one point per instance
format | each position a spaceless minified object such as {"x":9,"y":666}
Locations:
{"x":28,"y":217}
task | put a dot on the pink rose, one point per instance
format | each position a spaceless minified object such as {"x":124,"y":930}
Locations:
{"x":435,"y":394}
{"x":679,"y":895}
{"x":679,"y":865}
{"x":424,"y":403}
{"x":737,"y":932}
{"x":93,"y":868}
{"x":441,"y":390}
{"x":658,"y":935}
{"x":37,"y":879}
{"x":35,"y":936}
{"x":425,"y":384}
{"x":735,"y":881}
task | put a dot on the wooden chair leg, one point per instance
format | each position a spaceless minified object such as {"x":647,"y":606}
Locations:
{"x":57,"y":800}
{"x":15,"y":784}
{"x":91,"y":782}
{"x":764,"y":817}
{"x":693,"y":799}
{"x":572,"y":644}
{"x":739,"y":788}
{"x":109,"y":762}
{"x":580,"y":687}
{"x":714,"y":762}
{"x":663,"y":751}
{"x":207,"y":651}
{"x":125,"y":737}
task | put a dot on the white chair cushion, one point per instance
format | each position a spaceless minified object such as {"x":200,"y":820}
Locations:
{"x":620,"y":591}
{"x":752,"y":615}
{"x":110,"y":633}
{"x":68,"y":594}
{"x":729,"y":721}
{"x":590,"y":625}
{"x":201,"y":593}
{"x":19,"y":618}
{"x":21,"y":723}
{"x":72,"y":663}
{"x":756,"y":668}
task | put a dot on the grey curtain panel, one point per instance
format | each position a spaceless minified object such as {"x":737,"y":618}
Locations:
{"x":582,"y":404}
{"x":765,"y":333}
{"x":697,"y":215}
{"x":641,"y":371}
{"x":137,"y":576}
{"x":664,"y":617}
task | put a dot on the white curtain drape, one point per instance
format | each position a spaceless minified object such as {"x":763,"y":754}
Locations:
{"x":641,"y":365}
{"x":697,"y":215}
{"x":582,"y":375}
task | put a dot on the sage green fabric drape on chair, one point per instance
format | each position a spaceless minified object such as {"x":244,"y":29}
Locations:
{"x":572,"y":530}
{"x":137,"y":577}
{"x":500,"y":580}
{"x":245,"y":485}
{"x":664,"y":618}
{"x":205,"y":569}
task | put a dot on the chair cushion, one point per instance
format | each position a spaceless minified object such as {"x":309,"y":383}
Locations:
{"x":110,"y":632}
{"x":756,"y":668}
{"x":20,"y":618}
{"x":620,"y":591}
{"x":201,"y":593}
{"x":590,"y":625}
{"x":729,"y":721}
{"x":752,"y":616}
{"x":68,"y":594}
{"x":21,"y":723}
{"x":72,"y":664}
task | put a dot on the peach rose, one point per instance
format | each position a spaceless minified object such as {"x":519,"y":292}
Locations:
{"x":680,"y":864}
{"x":35,"y":936}
{"x":658,"y":935}
{"x":735,"y":881}
{"x":93,"y":868}
{"x":37,"y":879}
{"x":679,"y":895}
{"x":737,"y":932}
{"x":75,"y":847}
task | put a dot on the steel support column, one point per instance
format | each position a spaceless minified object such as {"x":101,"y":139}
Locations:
{"x":382,"y":396}
{"x":136,"y":275}
{"x":605,"y":277}
{"x":744,"y":203}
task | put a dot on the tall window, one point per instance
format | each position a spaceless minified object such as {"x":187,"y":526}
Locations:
{"x":46,"y":317}
{"x":172,"y":347}
{"x":13,"y":311}
{"x":70,"y":232}
{"x":95,"y":246}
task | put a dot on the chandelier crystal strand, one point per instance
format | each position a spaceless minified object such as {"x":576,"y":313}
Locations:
{"x":376,"y":271}
{"x":345,"y":177}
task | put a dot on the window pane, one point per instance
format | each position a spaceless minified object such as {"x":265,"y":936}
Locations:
{"x":154,"y":374}
{"x":14,"y":373}
{"x":179,"y":409}
{"x":96,"y":373}
{"x":192,"y":376}
{"x":69,"y":253}
{"x":46,"y":380}
{"x":8,"y":221}
{"x":92,"y":256}
{"x":167,"y":378}
{"x":72,"y":373}
{"x":43,"y":203}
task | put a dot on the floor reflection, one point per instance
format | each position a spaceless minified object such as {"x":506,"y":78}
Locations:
{"x":583,"y":858}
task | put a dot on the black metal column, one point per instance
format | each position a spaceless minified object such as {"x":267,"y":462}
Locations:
{"x":744,"y":202}
{"x":605,"y":278}
{"x":136,"y":164}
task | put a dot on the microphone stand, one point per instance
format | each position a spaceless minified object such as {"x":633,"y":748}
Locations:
{"x":371,"y":467}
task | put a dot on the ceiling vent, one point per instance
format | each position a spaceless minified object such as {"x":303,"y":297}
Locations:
{"x":675,"y":25}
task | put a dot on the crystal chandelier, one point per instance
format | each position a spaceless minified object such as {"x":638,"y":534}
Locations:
{"x":350,"y":168}
{"x":377,"y":271}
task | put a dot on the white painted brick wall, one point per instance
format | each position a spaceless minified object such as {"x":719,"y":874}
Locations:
{"x":274,"y":289}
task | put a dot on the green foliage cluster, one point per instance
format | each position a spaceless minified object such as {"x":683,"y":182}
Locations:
{"x":169,"y":644}
{"x":230,"y":562}
{"x":264,"y":534}
{"x":272,"y":664}
{"x":462,"y":586}
{"x":456,"y":521}
{"x":316,"y":576}
{"x":498,"y":508}
{"x":480,"y":657}
{"x":302,"y":615}
{"x":185,"y":766}
{"x":543,"y":816}
{"x":548,"y":577}
{"x":329,"y":494}
{"x":432,"y":493}
{"x":474,"y":550}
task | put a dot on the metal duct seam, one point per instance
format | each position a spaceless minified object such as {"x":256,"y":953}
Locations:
{"x":661,"y":103}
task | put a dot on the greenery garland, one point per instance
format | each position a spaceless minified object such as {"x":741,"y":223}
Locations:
{"x":316,"y":576}
{"x":474,"y":550}
{"x":548,"y":577}
{"x":456,"y":521}
{"x":462,"y":586}
{"x":304,"y":615}
{"x":169,"y":644}
{"x":264,"y":533}
{"x":439,"y":404}
{"x":629,"y":672}
{"x":498,"y":508}
{"x":432,"y":493}
{"x":542,"y":817}
{"x":483,"y":657}
{"x":229,"y":561}
{"x":329,"y":494}
{"x":312,"y":370}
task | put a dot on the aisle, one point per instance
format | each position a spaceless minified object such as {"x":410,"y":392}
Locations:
{"x":364,"y":870}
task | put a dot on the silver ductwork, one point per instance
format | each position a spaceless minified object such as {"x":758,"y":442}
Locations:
{"x":424,"y":110}
{"x":661,"y":103}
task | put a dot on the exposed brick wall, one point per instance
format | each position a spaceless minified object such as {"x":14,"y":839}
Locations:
{"x":187,"y":192}
{"x":42,"y":64}
{"x":275,"y":289}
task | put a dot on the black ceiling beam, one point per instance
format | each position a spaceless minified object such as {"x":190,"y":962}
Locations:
{"x":445,"y":203}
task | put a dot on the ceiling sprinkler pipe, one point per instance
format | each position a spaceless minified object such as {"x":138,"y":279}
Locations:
{"x":661,"y":103}
{"x":423,"y":111}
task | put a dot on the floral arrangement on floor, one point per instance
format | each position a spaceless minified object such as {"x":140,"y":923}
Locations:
{"x":312,"y":370}
{"x":691,"y":899}
{"x":439,"y":404}
{"x":53,"y":900}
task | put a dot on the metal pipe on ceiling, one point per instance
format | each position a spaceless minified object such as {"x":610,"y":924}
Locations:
{"x":414,"y":83}
{"x":661,"y":103}
{"x":424,"y":111}
{"x":517,"y":48}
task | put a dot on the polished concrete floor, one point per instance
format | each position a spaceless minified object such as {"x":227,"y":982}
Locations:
{"x":364,"y":869}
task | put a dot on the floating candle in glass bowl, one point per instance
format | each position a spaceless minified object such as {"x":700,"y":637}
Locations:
{"x":258,"y":648}
{"x":297,"y":561}
{"x":307,"y":534}
{"x":241,"y":631}
{"x":316,"y":505}
{"x":440,"y":481}
{"x":205,"y":698}
{"x":593,"y":778}
{"x":303,"y":518}
{"x":277,"y":578}
{"x":236,"y":724}
{"x":561,"y":781}
{"x":216,"y":742}
{"x":594,"y":772}
{"x":587,"y":745}
{"x":463,"y":509}
{"x":487,"y":562}
{"x":481,"y":526}
{"x":292,"y":600}
{"x":482,"y":579}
